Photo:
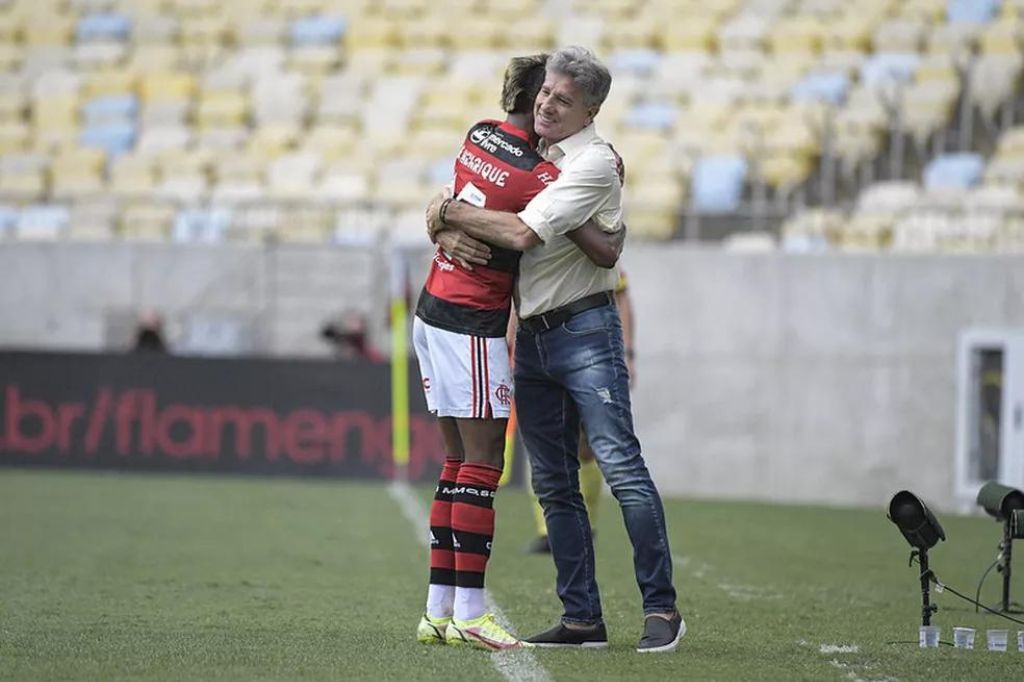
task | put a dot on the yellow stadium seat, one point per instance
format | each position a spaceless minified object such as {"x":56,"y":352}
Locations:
{"x":11,"y":29}
{"x":132,"y":176}
{"x":152,"y":28}
{"x":171,"y":85}
{"x":13,"y":106}
{"x":530,"y":32}
{"x":22,"y":185}
{"x":147,"y":221}
{"x":147,"y":59}
{"x":108,"y":82}
{"x":14,"y":135}
{"x":371,"y":32}
{"x":331,"y":141}
{"x":271,"y":141}
{"x":315,"y":59}
{"x":77,"y":173}
{"x":698,"y":34}
{"x":479,"y":33}
{"x":48,"y":29}
{"x":630,"y":34}
{"x":797,"y":34}
{"x":426,"y":32}
{"x":420,"y":62}
{"x":1002,"y":37}
{"x":848,"y":33}
{"x":221,"y":108}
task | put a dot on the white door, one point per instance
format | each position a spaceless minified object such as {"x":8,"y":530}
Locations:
{"x":990,"y":410}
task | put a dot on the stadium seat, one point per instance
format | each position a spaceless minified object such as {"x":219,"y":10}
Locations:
{"x":206,"y":226}
{"x":115,"y":137}
{"x":111,"y":26}
{"x":8,"y":220}
{"x":972,"y":11}
{"x":42,"y":223}
{"x":953,"y":171}
{"x":109,"y":108}
{"x":884,"y":67}
{"x":717,"y":183}
{"x":828,"y":86}
{"x":317,"y":30}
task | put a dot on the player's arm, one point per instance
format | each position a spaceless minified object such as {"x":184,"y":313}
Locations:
{"x":602,"y":248}
{"x":562,"y":206}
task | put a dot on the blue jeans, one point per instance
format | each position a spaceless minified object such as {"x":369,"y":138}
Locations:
{"x":573,"y":371}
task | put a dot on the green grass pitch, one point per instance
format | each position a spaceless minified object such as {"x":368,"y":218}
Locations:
{"x":119,"y":577}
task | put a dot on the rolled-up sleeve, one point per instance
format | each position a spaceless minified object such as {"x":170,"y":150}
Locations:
{"x":574,"y":197}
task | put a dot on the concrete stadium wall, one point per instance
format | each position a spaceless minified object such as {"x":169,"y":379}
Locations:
{"x":804,"y":378}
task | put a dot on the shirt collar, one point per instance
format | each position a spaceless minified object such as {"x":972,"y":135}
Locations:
{"x":573,"y":143}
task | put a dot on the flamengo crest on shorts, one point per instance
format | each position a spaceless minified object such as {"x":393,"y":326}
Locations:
{"x":464,"y":376}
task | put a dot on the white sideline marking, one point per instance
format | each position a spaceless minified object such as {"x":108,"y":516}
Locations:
{"x":737,"y":591}
{"x":838,"y":649}
{"x":512,"y":665}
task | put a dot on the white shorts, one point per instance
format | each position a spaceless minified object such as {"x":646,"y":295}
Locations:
{"x":463,"y":376}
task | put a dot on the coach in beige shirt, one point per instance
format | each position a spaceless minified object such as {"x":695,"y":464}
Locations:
{"x":569,"y":362}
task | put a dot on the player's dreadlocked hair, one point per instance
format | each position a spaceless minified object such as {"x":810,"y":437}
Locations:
{"x":523,"y":79}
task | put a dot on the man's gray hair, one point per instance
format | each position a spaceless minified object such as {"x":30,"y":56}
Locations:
{"x":586,"y":71}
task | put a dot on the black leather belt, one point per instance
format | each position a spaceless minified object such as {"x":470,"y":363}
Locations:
{"x":552,"y":318}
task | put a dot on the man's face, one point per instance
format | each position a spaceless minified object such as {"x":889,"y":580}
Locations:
{"x":560,"y":110}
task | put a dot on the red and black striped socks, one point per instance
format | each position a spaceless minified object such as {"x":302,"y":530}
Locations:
{"x":472,"y":523}
{"x":441,"y":592}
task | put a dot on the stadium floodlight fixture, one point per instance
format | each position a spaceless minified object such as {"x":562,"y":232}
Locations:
{"x":1006,"y":505}
{"x":922,"y":530}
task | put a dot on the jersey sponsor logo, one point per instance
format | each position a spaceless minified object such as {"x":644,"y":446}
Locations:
{"x":443,"y":263}
{"x":504,"y":394}
{"x":468,"y":490}
{"x":485,"y":169}
{"x":494,"y":142}
{"x":479,"y":135}
{"x":433,"y":539}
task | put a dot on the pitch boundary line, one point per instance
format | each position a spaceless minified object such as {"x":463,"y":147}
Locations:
{"x":512,"y":665}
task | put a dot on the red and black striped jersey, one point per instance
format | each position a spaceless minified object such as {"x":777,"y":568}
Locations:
{"x":498,"y":169}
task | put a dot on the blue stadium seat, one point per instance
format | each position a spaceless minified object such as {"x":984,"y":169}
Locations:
{"x":8,"y":219}
{"x":717,"y":183}
{"x":640,"y":62}
{"x":115,"y":137}
{"x":442,"y":171}
{"x":110,"y":107}
{"x":954,"y":171}
{"x":889,"y":66}
{"x":42,"y":221}
{"x":103,"y":26}
{"x":652,"y":116}
{"x":972,"y":11}
{"x":821,"y":86}
{"x":207,"y":226}
{"x":317,"y":30}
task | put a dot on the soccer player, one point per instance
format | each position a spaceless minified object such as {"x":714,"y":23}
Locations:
{"x":459,"y":338}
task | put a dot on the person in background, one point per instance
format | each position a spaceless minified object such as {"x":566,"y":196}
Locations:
{"x":349,"y":338}
{"x":149,"y":335}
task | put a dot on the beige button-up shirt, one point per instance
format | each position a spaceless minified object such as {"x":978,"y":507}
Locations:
{"x":555,"y":273}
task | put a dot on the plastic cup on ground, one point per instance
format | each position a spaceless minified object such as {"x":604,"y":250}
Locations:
{"x":1020,"y":641}
{"x":928,"y":637}
{"x":996,"y":639}
{"x":963,"y":638}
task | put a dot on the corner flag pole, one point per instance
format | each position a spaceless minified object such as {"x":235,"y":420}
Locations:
{"x":399,"y":365}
